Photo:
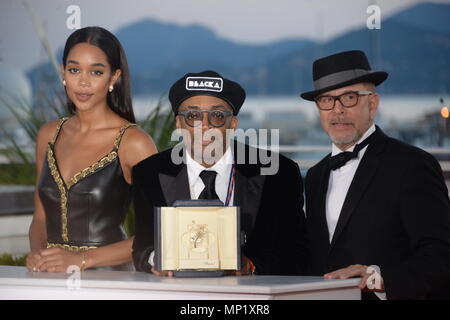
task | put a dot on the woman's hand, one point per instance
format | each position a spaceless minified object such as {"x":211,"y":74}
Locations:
{"x":33,"y":260}
{"x":58,"y":260}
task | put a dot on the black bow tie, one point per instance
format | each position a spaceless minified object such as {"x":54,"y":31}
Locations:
{"x":342,"y":158}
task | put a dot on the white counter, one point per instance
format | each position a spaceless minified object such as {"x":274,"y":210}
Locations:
{"x":18,"y":283}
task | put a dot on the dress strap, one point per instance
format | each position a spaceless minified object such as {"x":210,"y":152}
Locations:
{"x":120,"y":135}
{"x":58,"y":129}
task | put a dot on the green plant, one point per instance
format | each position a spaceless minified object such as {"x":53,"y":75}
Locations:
{"x":129,"y":222}
{"x":18,"y":173}
{"x":159,"y":124}
{"x":7,"y":259}
{"x":31,"y":119}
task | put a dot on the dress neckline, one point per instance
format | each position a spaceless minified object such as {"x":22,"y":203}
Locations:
{"x":80,"y":175}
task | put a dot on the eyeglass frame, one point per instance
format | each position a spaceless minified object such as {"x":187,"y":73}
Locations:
{"x":358,"y":92}
{"x":185,"y":112}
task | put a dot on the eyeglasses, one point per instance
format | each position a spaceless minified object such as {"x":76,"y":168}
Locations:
{"x":347,"y":100}
{"x":194,"y":118}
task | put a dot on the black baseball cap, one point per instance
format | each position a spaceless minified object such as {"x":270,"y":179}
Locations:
{"x":207,"y":83}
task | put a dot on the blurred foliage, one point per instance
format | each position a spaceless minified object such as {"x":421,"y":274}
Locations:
{"x":18,"y":173}
{"x":31,"y":119}
{"x":7,"y":259}
{"x":159,"y":124}
{"x":129,"y":222}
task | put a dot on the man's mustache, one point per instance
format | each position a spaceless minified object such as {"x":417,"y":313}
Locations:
{"x":341,"y":121}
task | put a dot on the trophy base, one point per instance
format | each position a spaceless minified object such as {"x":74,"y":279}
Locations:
{"x":198,"y":274}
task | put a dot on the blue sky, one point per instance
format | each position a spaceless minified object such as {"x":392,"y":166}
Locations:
{"x":255,"y":21}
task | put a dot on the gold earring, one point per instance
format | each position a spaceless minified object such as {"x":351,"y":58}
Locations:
{"x":111,"y":88}
{"x":64,"y":82}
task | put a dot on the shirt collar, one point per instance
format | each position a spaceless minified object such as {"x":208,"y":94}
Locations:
{"x":335,"y":150}
{"x":222,"y":167}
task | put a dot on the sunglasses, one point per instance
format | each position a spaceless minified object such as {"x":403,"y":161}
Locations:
{"x":194,"y":118}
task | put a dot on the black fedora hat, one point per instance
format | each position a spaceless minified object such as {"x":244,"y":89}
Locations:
{"x":340,"y":70}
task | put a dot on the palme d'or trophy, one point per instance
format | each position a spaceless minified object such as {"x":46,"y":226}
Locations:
{"x":197,"y":238}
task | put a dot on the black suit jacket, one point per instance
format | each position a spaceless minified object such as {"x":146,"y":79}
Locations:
{"x":271,"y":209}
{"x":396,"y":215}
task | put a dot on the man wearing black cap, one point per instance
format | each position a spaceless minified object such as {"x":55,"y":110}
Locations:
{"x":271,"y":206}
{"x":376,"y":207}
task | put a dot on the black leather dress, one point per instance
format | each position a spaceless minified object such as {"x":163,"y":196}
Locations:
{"x":89,"y":210}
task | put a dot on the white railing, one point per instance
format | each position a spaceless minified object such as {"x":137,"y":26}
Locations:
{"x":308,"y":163}
{"x":290,"y":148}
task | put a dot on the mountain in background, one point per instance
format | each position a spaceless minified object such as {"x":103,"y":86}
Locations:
{"x":416,"y":56}
{"x":160,"y":53}
{"x":413,"y":46}
{"x":429,"y":16}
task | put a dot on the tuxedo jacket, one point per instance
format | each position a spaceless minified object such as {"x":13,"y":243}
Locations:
{"x":271,"y":209}
{"x":396,"y":215}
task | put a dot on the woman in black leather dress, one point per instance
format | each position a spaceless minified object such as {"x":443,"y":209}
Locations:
{"x":84,"y":162}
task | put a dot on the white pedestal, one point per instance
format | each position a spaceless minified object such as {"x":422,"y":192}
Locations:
{"x":17,"y":283}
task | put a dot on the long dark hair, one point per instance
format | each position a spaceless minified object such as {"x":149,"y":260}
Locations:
{"x":119,"y":100}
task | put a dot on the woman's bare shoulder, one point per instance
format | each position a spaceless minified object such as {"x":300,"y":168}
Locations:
{"x":47,"y":131}
{"x":138,"y":143}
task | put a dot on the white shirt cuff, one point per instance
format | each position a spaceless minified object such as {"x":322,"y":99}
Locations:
{"x":380,"y":295}
{"x":151,"y":258}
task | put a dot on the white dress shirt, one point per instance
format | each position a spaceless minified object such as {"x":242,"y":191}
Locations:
{"x":338,"y":185}
{"x":222,"y":167}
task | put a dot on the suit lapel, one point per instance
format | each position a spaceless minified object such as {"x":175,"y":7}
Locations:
{"x":323,"y":189}
{"x":363,"y":177}
{"x":175,"y":183}
{"x":248,"y":189}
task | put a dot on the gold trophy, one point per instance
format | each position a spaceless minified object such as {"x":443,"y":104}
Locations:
{"x":197,"y":238}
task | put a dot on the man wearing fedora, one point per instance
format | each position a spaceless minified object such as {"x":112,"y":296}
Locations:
{"x":271,"y":205}
{"x":376,"y":208}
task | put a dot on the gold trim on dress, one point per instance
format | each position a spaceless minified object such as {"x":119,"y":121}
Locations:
{"x":85,"y":172}
{"x":103,"y":161}
{"x":69,"y":247}
{"x":58,"y":128}
{"x":64,"y":188}
{"x":120,"y":134}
